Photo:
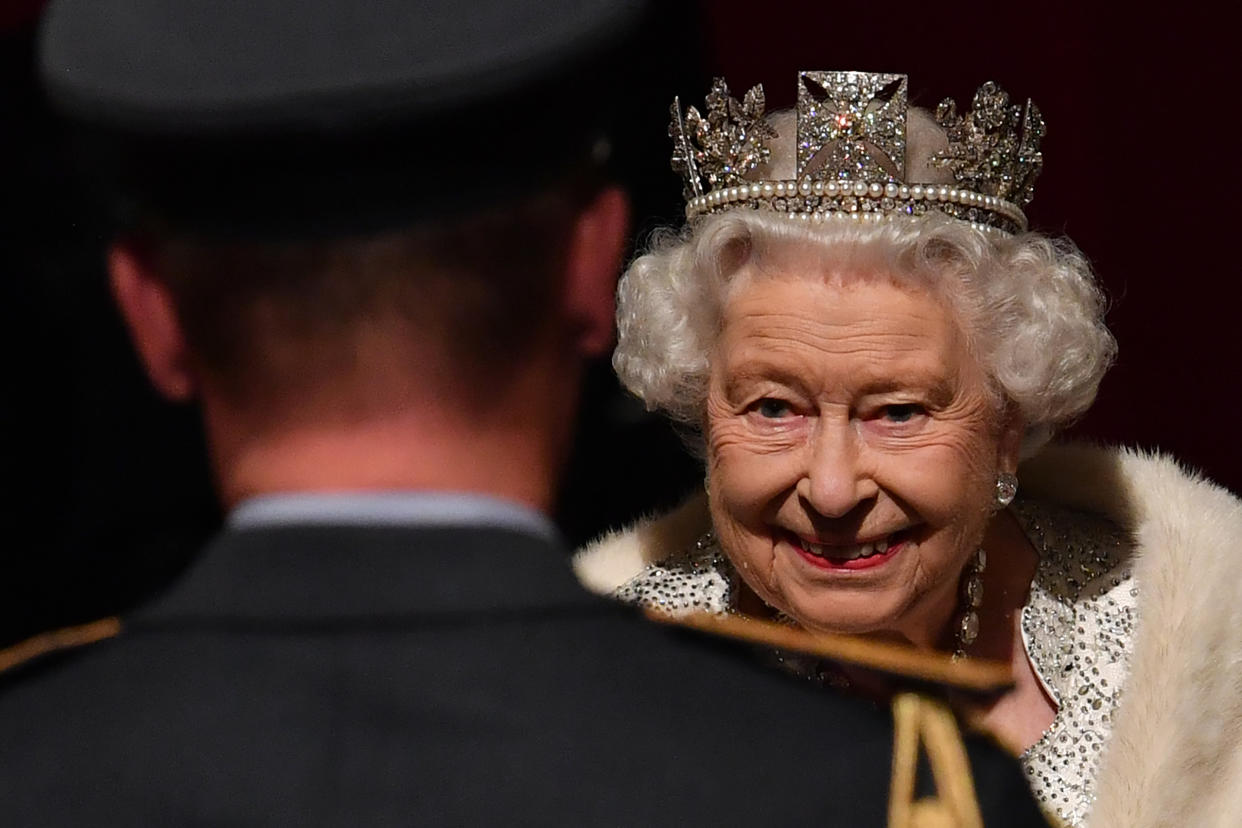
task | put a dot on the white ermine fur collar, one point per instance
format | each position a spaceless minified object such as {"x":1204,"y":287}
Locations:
{"x":1175,"y":755}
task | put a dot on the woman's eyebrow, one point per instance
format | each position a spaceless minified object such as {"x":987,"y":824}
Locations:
{"x":754,"y":370}
{"x":937,"y":388}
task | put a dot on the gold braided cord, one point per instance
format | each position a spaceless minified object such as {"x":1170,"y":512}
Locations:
{"x":919,"y":720}
{"x":56,"y":640}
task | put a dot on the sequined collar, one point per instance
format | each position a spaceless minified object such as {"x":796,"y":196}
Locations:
{"x":1077,"y":627}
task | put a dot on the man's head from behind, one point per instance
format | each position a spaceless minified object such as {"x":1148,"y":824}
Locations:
{"x":389,"y":219}
{"x":449,"y":310}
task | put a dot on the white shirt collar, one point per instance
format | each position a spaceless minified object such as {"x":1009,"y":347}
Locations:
{"x":388,"y":508}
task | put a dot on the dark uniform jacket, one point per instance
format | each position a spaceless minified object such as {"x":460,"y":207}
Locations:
{"x":431,"y":676}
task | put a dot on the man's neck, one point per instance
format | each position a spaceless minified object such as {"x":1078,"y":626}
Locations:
{"x":389,"y":456}
{"x":514,"y":452}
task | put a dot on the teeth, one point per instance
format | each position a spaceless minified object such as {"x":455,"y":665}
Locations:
{"x":847,"y":553}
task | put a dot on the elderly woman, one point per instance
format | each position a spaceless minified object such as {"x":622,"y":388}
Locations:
{"x":869,"y":342}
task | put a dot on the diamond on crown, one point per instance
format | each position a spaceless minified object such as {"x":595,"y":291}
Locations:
{"x":851,"y":154}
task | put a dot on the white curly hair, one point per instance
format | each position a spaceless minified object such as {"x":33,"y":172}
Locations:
{"x":1029,"y":305}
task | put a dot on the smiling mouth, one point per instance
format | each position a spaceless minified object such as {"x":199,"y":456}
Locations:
{"x":849,"y":556}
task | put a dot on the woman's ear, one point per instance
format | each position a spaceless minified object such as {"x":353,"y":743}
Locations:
{"x":1009,"y":448}
{"x":593,"y":262}
{"x":151,"y":317}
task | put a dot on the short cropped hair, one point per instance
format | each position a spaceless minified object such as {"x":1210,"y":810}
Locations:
{"x":1029,"y":306}
{"x":266,"y":318}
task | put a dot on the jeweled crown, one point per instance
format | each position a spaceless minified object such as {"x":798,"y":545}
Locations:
{"x":851,"y":153}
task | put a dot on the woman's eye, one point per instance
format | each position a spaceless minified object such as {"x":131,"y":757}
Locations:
{"x":902,"y":412}
{"x":772,"y":409}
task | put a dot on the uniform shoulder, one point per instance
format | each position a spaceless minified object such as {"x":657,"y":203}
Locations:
{"x":973,"y":781}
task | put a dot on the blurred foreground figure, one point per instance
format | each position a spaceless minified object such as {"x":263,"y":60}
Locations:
{"x":375,"y":242}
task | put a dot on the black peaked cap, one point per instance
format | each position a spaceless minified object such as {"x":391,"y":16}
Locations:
{"x":318,"y":117}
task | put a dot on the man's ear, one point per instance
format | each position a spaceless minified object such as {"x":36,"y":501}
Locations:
{"x":596,"y":252}
{"x":151,"y":316}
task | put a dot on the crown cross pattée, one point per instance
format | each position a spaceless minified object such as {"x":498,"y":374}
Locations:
{"x":853,"y":124}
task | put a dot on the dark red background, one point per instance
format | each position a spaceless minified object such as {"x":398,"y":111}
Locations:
{"x":1140,"y":171}
{"x":1140,"y":168}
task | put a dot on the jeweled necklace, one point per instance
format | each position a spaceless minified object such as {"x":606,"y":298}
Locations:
{"x":971,"y":599}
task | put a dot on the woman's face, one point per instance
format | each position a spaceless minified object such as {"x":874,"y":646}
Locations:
{"x":853,"y":451}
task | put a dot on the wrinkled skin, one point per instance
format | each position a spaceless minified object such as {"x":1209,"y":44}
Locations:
{"x":842,"y":410}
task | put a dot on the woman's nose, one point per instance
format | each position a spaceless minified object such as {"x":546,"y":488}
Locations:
{"x":834,"y":480}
